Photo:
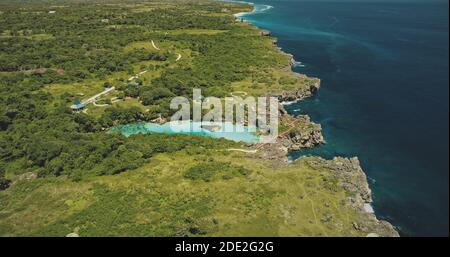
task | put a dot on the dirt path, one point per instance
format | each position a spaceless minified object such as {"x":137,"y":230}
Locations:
{"x":137,"y":75}
{"x":243,"y":150}
{"x":92,"y":99}
{"x":154,"y":46}
{"x":99,"y":105}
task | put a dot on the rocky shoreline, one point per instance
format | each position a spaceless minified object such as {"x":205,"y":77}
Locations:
{"x":300,"y":93}
{"x":305,"y":133}
{"x":347,"y":171}
{"x":352,"y":178}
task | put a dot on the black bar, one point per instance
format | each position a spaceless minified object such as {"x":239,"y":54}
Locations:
{"x":226,"y":246}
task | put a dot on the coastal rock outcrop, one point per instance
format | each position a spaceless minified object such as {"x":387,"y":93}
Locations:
{"x":303,"y":133}
{"x":307,"y":90}
{"x":276,"y":153}
{"x":300,"y":133}
{"x":350,"y":176}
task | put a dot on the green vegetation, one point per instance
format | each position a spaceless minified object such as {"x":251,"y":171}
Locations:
{"x":162,"y":199}
{"x":62,"y":172}
{"x":87,"y":51}
{"x":210,"y":170}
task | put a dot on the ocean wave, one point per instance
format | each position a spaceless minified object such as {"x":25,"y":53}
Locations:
{"x":262,"y":8}
{"x":257,"y":8}
{"x":288,"y":102}
{"x":298,"y":64}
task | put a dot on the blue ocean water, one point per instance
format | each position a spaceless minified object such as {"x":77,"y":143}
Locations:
{"x":383,"y":97}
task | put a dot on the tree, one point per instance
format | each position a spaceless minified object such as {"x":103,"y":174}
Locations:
{"x":151,"y":96}
{"x":107,"y":84}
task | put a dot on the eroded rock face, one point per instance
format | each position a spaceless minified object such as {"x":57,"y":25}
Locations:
{"x":303,"y":134}
{"x":276,"y":153}
{"x":347,"y":171}
{"x":305,"y":138}
{"x":301,"y":92}
{"x":349,"y":176}
{"x":352,"y":178}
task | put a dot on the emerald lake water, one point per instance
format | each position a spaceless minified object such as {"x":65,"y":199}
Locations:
{"x":234,"y":132}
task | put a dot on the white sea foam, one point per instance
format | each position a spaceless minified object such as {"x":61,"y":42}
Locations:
{"x":258,"y":8}
{"x":263,"y":8}
{"x":368,"y":208}
{"x":298,"y":64}
{"x":237,"y":15}
{"x":288,"y":102}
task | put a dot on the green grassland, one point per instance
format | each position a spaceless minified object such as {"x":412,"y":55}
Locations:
{"x":234,"y":195}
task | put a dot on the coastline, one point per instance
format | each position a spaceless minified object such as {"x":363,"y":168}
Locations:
{"x":76,"y":173}
{"x":81,"y":177}
{"x":346,"y":169}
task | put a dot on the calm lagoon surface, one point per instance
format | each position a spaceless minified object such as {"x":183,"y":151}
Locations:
{"x":227,"y":130}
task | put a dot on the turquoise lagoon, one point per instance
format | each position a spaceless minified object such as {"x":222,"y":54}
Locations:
{"x":230,"y":131}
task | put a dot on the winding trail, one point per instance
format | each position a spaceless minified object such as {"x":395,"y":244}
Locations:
{"x":99,"y":105}
{"x":243,"y":150}
{"x":137,"y":75}
{"x":115,"y":99}
{"x":154,"y":46}
{"x":132,"y":77}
